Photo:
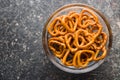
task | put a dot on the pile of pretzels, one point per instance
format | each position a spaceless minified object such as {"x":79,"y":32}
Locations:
{"x":77,"y":38}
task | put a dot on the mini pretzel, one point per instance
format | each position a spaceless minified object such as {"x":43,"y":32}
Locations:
{"x":59,"y":42}
{"x":52,"y":29}
{"x":77,"y":39}
{"x":60,"y":54}
{"x":86,"y":34}
{"x":96,"y":57}
{"x":91,"y":20}
{"x":78,"y":61}
{"x":68,"y":23}
{"x":70,"y":42}
{"x":101,"y":43}
{"x":64,"y":60}
{"x":60,"y":29}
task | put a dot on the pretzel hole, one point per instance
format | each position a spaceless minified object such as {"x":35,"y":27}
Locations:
{"x":83,"y":21}
{"x":92,"y":18}
{"x":61,"y":28}
{"x":72,"y":43}
{"x":99,"y":39}
{"x":52,"y":30}
{"x":79,"y":40}
{"x":74,"y":19}
{"x":99,"y":54}
{"x":70,"y":24}
{"x":90,"y":27}
{"x":73,"y":46}
{"x":88,"y":39}
{"x":69,"y":58}
{"x":83,"y":57}
{"x":57,"y":47}
{"x":58,"y":22}
{"x":82,"y":33}
{"x":95,"y":28}
{"x":89,"y":55}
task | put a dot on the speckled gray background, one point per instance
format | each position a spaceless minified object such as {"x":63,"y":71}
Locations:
{"x":21,"y":52}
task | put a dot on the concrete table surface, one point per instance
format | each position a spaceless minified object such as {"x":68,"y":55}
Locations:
{"x":21,"y":51}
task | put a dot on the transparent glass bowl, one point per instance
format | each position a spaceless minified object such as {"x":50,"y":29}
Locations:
{"x":65,"y":10}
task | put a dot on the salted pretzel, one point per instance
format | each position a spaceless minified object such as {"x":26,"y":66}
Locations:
{"x":77,"y":39}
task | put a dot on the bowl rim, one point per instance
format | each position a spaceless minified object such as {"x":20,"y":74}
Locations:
{"x":76,"y":71}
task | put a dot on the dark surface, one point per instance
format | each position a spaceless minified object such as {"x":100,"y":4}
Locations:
{"x":21,"y":52}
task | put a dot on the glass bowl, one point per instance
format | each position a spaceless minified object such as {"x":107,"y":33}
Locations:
{"x":65,"y":10}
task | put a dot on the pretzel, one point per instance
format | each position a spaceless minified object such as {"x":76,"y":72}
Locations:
{"x":99,"y":44}
{"x":97,"y":57}
{"x":52,"y":29}
{"x":91,"y":20}
{"x":78,"y":61}
{"x":60,"y":54}
{"x":64,"y":59}
{"x":68,"y":39}
{"x":59,"y":42}
{"x":77,"y":38}
{"x":86,"y":34}
{"x":68,"y":23}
